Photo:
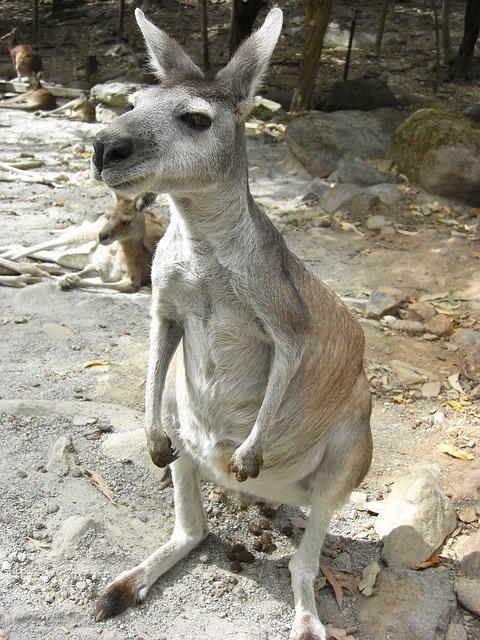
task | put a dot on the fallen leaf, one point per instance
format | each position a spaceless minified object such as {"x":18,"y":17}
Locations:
{"x":474,"y":254}
{"x":6,"y":317}
{"x":454,"y":383}
{"x":347,"y":580}
{"x":369,"y":577}
{"x":39,"y":543}
{"x":433,"y":561}
{"x":59,"y":203}
{"x":21,"y":320}
{"x":456,"y":405}
{"x":455,"y":452}
{"x":348,"y":226}
{"x":95,"y":363}
{"x":98,"y":482}
{"x":334,"y":583}
{"x":319,"y":584}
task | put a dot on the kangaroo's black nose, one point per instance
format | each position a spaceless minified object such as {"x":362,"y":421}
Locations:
{"x":111,"y":152}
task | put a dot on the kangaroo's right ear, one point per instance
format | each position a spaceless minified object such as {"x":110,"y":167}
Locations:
{"x":166,"y":56}
{"x":145,"y":200}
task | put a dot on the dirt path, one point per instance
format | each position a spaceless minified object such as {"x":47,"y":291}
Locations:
{"x":62,"y":539}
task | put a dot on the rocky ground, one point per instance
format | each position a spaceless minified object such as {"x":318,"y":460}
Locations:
{"x":80,"y":501}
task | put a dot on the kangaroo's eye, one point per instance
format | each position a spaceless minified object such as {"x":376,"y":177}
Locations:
{"x":198,"y":121}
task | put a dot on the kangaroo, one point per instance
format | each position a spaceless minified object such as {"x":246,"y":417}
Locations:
{"x":25,"y":59}
{"x":35,"y":99}
{"x":255,"y":378}
{"x":127,"y":243}
{"x":79,"y":109}
{"x":118,"y":247}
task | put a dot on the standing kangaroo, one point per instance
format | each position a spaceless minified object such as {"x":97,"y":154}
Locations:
{"x":25,"y":59}
{"x":255,"y":377}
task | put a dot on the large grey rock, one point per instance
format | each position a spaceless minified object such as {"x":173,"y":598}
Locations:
{"x":362,"y":174}
{"x":114,"y":93}
{"x":440,"y":151}
{"x":363,"y":94}
{"x":322,"y":140}
{"x":348,"y":197}
{"x":415,"y":520}
{"x":409,"y":605}
{"x":470,"y":563}
{"x":468,"y":594}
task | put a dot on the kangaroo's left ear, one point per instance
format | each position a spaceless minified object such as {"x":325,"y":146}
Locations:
{"x":245,"y":71}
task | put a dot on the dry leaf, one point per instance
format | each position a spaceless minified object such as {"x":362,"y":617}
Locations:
{"x":95,"y":363}
{"x":433,"y":561}
{"x":454,"y":383}
{"x":98,"y":482}
{"x":369,"y":577}
{"x":456,"y":406}
{"x":348,"y":226}
{"x":39,"y":543}
{"x":6,"y":317}
{"x":348,"y":581}
{"x":455,"y":452}
{"x":334,"y":583}
{"x":319,"y":584}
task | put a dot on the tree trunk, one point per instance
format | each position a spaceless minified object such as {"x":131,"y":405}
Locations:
{"x":204,"y":35}
{"x":317,"y":17}
{"x":464,"y":57}
{"x":381,"y":25}
{"x":242,"y":19}
{"x":446,"y":45}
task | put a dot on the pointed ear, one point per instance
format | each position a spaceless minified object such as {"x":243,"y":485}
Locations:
{"x":145,"y":200}
{"x":166,"y":56}
{"x":245,"y":71}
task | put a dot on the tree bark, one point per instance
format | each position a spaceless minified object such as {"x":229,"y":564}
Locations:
{"x":464,"y":57}
{"x":446,"y":44}
{"x":242,"y":19}
{"x":204,"y":34}
{"x":317,"y":13}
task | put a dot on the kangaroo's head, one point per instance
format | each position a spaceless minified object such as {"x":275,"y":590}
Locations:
{"x":186,"y":133}
{"x":126,"y":220}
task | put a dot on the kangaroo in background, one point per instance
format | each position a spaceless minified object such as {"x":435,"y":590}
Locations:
{"x":255,"y":377}
{"x":35,"y":99}
{"x":118,"y":248}
{"x":26,"y":60}
{"x":79,"y":109}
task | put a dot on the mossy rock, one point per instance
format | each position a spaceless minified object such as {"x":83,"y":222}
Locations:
{"x":440,"y":151}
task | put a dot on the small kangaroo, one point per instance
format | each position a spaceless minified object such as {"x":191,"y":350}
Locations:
{"x":118,"y":247}
{"x":37,"y":98}
{"x":255,"y":378}
{"x":79,"y":109}
{"x":26,"y":60}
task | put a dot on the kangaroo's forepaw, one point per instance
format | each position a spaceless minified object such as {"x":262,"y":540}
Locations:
{"x":246,"y":463}
{"x":161,"y":451}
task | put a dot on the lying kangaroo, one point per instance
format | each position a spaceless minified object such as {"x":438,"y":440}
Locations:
{"x":26,"y":60}
{"x":255,"y":377}
{"x":37,"y":98}
{"x":118,"y":248}
{"x":79,"y":109}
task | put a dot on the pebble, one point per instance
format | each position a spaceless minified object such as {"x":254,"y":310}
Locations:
{"x":439,"y":325}
{"x":431,"y":389}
